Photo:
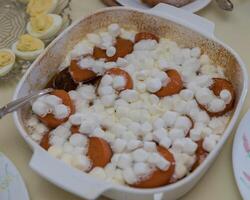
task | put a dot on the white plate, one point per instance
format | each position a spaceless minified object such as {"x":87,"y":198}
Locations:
{"x":195,"y":6}
{"x":12,"y":186}
{"x":241,"y":157}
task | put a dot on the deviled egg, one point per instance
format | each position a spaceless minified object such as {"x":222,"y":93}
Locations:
{"x":37,"y":7}
{"x":44,"y":26}
{"x":28,"y":47}
{"x":7,"y":60}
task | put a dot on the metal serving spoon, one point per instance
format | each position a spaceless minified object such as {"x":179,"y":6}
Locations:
{"x":225,"y":4}
{"x":14,"y":105}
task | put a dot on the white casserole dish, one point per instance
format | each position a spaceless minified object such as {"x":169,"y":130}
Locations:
{"x":186,"y":29}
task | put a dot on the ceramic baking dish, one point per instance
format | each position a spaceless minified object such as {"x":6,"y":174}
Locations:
{"x":187,"y":30}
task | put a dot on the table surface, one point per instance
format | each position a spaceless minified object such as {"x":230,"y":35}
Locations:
{"x":218,"y":183}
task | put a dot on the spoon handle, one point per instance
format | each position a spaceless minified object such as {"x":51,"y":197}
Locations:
{"x":225,"y":4}
{"x":14,"y":105}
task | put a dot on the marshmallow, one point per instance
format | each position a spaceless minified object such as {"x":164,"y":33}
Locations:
{"x":105,"y":90}
{"x":163,"y":164}
{"x":134,"y":144}
{"x":183,"y":122}
{"x":68,"y":147}
{"x":61,"y":131}
{"x":110,"y":170}
{"x":178,"y":58}
{"x":165,"y":65}
{"x":141,"y":168}
{"x":134,"y":127}
{"x":139,"y":155}
{"x":158,"y":123}
{"x":149,"y":146}
{"x":170,"y":117}
{"x":119,"y":82}
{"x":106,"y":80}
{"x":148,"y":137}
{"x":146,"y":127}
{"x":40,"y":108}
{"x":210,"y":142}
{"x":119,"y":145}
{"x":78,"y":140}
{"x":79,"y":150}
{"x":129,"y":35}
{"x":153,"y":85}
{"x":142,"y":75}
{"x":82,"y":48}
{"x":121,"y":62}
{"x":81,"y":162}
{"x":226,"y":96}
{"x":41,"y":129}
{"x":32,"y":121}
{"x":118,"y":129}
{"x":108,"y":100}
{"x":145,"y":45}
{"x":129,"y":176}
{"x":185,"y":145}
{"x":109,"y":65}
{"x":36,"y":137}
{"x":218,"y":124}
{"x":98,"y":172}
{"x":115,"y":158}
{"x":204,"y":96}
{"x":114,"y":30}
{"x":180,"y":171}
{"x":67,"y":158}
{"x":86,"y":63}
{"x":217,"y":105}
{"x":75,"y":119}
{"x":195,"y":134}
{"x":160,"y":134}
{"x":88,"y":126}
{"x":55,"y":151}
{"x":186,"y":52}
{"x":87,"y":92}
{"x":187,"y":94}
{"x":129,"y":95}
{"x":124,"y":161}
{"x":195,"y":52}
{"x":166,"y":142}
{"x":57,"y":140}
{"x":176,"y":134}
{"x":52,"y":100}
{"x":203,"y":81}
{"x":61,"y":111}
{"x":94,"y":38}
{"x":111,"y":51}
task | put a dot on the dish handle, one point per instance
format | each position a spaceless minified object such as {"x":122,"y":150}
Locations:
{"x":66,"y":177}
{"x":185,"y":18}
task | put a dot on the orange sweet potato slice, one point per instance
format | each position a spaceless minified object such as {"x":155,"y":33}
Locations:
{"x":145,"y":36}
{"x":218,"y":85}
{"x":80,"y":75}
{"x":159,"y":178}
{"x":201,"y":154}
{"x":99,"y":152}
{"x":50,"y":119}
{"x":173,"y":87}
{"x":123,"y":48}
{"x":119,"y":72}
{"x":45,"y":142}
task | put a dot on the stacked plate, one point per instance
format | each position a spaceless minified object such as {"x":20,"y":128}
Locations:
{"x":12,"y":186}
{"x":194,"y":6}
